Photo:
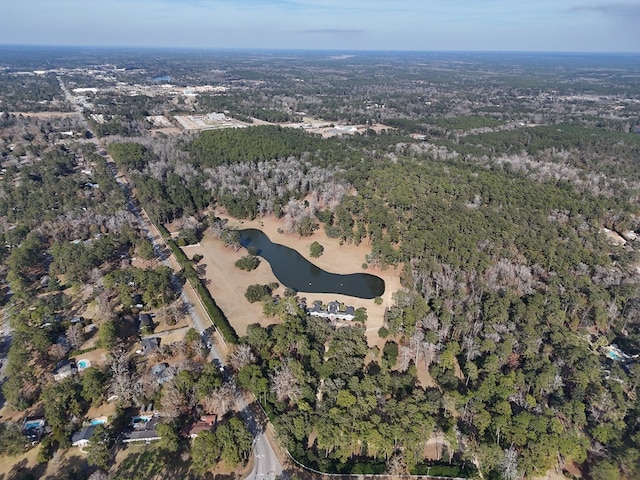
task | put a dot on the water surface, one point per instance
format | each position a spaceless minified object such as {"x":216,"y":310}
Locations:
{"x":294,"y":271}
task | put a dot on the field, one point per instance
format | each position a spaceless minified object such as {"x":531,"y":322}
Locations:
{"x":228,"y":283}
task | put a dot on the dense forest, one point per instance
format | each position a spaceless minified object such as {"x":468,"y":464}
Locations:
{"x":511,"y":289}
{"x":506,"y":193}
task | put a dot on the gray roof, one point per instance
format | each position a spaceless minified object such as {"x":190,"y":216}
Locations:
{"x":145,"y":320}
{"x":150,"y":344}
{"x":159,"y":368}
{"x":146,"y":433}
{"x":85,"y":434}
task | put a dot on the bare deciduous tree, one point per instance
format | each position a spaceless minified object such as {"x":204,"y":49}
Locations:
{"x":75,"y":336}
{"x":510,"y":465}
{"x":57,"y":352}
{"x":284,"y":383}
{"x":241,"y":356}
{"x":221,"y":400}
{"x":173,"y":403}
{"x":396,"y":465}
{"x":122,"y":382}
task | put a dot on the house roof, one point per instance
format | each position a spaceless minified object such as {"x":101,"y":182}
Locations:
{"x":144,"y":320}
{"x":85,"y":434}
{"x":144,"y":434}
{"x":159,"y":368}
{"x":150,"y":344}
{"x":204,"y":424}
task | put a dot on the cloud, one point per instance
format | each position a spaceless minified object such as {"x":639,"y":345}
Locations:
{"x":615,"y":9}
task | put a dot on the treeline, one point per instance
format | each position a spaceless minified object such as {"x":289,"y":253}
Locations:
{"x":426,"y":125}
{"x":265,"y":142}
{"x":217,"y":316}
{"x":333,"y":410}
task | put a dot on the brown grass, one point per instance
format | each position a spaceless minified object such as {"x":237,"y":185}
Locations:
{"x":227,"y":283}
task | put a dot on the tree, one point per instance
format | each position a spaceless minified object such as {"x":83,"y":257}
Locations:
{"x":251,"y":378}
{"x":175,"y":401}
{"x":169,"y":439}
{"x":315,"y":249}
{"x":241,"y":356}
{"x":208,"y":381}
{"x":257,"y":292}
{"x":99,"y":448}
{"x":11,"y":439}
{"x":107,"y":335}
{"x":122,"y":381}
{"x":205,"y":451}
{"x":307,"y":226}
{"x":75,"y":336}
{"x":93,"y":383}
{"x":220,"y":400}
{"x":396,"y":465}
{"x":510,"y":465}
{"x":145,"y":249}
{"x":236,"y":442}
{"x":62,"y":402}
{"x":248,"y":263}
{"x":605,"y":470}
{"x":284,"y":384}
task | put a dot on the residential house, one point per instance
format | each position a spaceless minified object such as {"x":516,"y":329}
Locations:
{"x":150,"y":345}
{"x":33,"y":429}
{"x":332,"y":311}
{"x":142,"y":429}
{"x":145,"y":321}
{"x":163,"y":373}
{"x":83,"y":437}
{"x":65,"y":369}
{"x":137,"y":301}
{"x":205,"y":423}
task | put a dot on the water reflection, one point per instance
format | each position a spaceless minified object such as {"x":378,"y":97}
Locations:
{"x":294,"y":271}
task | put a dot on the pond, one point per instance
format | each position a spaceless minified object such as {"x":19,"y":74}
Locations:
{"x":294,"y":271}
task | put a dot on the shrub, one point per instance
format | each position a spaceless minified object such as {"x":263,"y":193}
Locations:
{"x":315,"y":249}
{"x":257,"y":292}
{"x":360,"y":315}
{"x":247,"y":263}
{"x":390,"y":353}
{"x":383,"y":332}
{"x":378,"y":300}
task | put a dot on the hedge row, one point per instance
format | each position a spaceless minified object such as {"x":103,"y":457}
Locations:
{"x":217,"y":315}
{"x":81,"y":352}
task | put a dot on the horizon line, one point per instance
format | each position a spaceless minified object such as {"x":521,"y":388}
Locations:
{"x":338,"y":50}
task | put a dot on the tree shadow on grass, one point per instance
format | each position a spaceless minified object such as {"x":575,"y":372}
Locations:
{"x":20,"y":471}
{"x":152,"y":462}
{"x":71,"y":467}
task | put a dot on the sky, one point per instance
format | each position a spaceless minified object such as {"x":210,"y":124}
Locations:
{"x":468,"y":25}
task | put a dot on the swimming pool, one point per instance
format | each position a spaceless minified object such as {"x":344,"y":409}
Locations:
{"x":140,"y":419}
{"x":614,"y":356}
{"x":98,"y":421}
{"x":33,"y":424}
{"x":84,"y":363}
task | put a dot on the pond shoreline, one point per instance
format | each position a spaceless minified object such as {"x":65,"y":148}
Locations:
{"x":227,"y":283}
{"x":298,"y":273}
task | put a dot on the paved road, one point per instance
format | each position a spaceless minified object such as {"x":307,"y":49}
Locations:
{"x":266,"y":465}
